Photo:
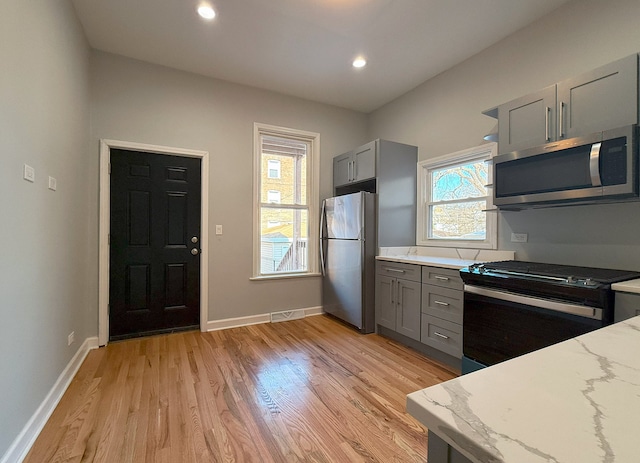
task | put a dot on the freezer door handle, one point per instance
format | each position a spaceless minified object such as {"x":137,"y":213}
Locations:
{"x":322,"y":240}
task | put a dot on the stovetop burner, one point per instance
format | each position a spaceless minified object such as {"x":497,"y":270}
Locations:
{"x":567,"y":274}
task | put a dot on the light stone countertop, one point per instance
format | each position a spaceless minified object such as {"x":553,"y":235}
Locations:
{"x":630,"y":286}
{"x":451,"y":258}
{"x":576,"y":401}
{"x":442,"y":262}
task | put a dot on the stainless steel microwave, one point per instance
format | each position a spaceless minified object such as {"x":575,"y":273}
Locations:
{"x":589,"y":169}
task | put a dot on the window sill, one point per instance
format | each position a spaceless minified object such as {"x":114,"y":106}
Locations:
{"x":458,"y":244}
{"x":285,"y":277}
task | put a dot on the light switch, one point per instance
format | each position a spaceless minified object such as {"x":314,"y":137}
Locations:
{"x":53,"y":183}
{"x":218,"y":229}
{"x":29,"y":173}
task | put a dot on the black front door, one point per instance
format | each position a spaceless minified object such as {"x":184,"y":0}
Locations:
{"x":154,"y":275}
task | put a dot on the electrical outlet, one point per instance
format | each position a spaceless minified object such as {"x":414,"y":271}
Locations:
{"x":519,"y":237}
{"x":218,"y":229}
{"x":53,"y":183}
{"x":29,"y":173}
{"x":71,"y":338}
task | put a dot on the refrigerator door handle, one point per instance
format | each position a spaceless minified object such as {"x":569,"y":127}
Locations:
{"x":321,"y":238}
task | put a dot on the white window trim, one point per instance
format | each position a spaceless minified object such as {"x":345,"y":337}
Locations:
{"x":488,"y":151}
{"x":313,"y":195}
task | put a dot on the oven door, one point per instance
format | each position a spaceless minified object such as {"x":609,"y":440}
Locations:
{"x":499,"y":325}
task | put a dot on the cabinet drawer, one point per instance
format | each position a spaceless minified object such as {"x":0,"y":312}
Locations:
{"x":443,"y":303}
{"x":442,"y":335}
{"x":444,"y":277}
{"x":398,"y":270}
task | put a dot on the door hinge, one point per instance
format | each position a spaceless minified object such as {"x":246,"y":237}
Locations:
{"x":109,"y":239}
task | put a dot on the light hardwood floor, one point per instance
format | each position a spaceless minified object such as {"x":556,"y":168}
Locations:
{"x":304,"y":390}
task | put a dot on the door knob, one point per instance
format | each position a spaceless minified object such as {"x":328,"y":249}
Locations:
{"x":194,"y":251}
{"x":194,"y":239}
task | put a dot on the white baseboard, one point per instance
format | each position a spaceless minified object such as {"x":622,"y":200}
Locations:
{"x":22,"y":444}
{"x":253,"y":320}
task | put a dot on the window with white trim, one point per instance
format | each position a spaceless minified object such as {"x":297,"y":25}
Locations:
{"x":456,"y":200}
{"x":286,"y":205}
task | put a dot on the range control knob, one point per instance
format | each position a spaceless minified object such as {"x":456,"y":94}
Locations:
{"x":589,"y":282}
{"x":571,"y":279}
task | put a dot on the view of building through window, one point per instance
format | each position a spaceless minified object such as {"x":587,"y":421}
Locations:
{"x":284,"y":208}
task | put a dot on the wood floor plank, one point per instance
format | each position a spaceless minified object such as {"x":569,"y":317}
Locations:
{"x":309,"y":390}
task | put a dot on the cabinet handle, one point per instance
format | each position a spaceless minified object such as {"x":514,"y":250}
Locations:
{"x":440,"y":335}
{"x":438,"y":277}
{"x":349,"y":171}
{"x":389,"y":269}
{"x":441,"y":303}
{"x":355,"y":170}
{"x":399,"y":296}
{"x":547,"y":131}
{"x":392,"y":286}
{"x":561,"y":120}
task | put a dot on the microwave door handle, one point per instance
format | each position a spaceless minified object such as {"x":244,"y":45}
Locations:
{"x":594,"y":164}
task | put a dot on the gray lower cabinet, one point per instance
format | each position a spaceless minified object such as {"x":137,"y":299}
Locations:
{"x":398,"y":298}
{"x":441,"y":310}
{"x":627,"y":306}
{"x":438,"y":451}
{"x":601,"y":99}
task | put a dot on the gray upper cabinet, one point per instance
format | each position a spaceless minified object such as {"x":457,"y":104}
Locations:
{"x":355,"y":166}
{"x":601,"y":99}
{"x":342,"y":168}
{"x":527,"y":121}
{"x":388,"y":169}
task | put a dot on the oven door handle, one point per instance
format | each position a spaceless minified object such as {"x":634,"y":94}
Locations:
{"x":564,"y":307}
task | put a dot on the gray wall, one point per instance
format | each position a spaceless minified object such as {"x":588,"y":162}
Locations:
{"x":443,"y":115}
{"x":134,"y":101}
{"x":44,"y":277}
{"x":48,"y":241}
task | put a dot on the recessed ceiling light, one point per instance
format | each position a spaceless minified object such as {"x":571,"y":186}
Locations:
{"x":206,"y":12}
{"x":359,"y":62}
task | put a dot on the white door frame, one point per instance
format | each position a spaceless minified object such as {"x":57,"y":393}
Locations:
{"x":105,"y":227}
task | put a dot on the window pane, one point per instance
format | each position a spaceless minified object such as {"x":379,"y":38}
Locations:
{"x":290,"y":157}
{"x":273,"y":168}
{"x":459,"y":182}
{"x":461,"y":221}
{"x":283,"y":246}
{"x":273,"y":196}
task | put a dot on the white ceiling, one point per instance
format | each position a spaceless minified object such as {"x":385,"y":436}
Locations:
{"x":305,"y":47}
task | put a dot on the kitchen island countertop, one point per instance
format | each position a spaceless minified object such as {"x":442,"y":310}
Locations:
{"x":575,"y":401}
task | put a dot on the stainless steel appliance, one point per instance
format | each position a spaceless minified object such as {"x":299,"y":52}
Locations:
{"x":513,"y":307}
{"x":347,"y":257}
{"x":601,"y":166}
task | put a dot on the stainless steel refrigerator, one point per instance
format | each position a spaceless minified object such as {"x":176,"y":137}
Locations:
{"x":347,"y":257}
